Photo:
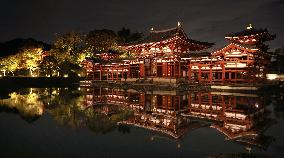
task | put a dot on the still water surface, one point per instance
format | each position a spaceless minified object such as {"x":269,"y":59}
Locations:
{"x":104,"y":122}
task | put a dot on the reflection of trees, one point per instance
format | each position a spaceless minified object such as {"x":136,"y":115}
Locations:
{"x":28,"y":105}
{"x":67,"y":108}
{"x":94,"y":118}
{"x":66,"y":105}
{"x":100,"y":121}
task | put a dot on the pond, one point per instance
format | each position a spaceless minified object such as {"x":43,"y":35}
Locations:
{"x":108,"y":122}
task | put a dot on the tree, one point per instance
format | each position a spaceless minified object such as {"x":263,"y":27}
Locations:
{"x":68,"y":51}
{"x":31,"y":58}
{"x":125,"y":36}
{"x":101,"y":41}
{"x":49,"y":65}
{"x":10,"y":63}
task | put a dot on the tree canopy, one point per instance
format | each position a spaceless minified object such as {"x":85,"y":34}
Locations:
{"x":66,"y":54}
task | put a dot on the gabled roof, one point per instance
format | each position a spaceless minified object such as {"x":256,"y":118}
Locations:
{"x":248,"y":48}
{"x":169,"y":34}
{"x":247,"y":32}
{"x":161,"y":35}
{"x":250,"y":31}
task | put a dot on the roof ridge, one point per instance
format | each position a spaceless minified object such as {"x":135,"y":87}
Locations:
{"x":164,"y":30}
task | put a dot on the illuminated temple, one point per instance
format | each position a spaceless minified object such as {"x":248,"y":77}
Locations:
{"x":170,"y":56}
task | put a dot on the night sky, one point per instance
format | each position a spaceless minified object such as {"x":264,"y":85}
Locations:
{"x":204,"y":20}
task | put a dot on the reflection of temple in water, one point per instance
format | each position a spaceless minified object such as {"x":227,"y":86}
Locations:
{"x":240,"y":117}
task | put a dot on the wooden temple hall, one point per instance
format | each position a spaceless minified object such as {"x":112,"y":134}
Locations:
{"x":170,"y":55}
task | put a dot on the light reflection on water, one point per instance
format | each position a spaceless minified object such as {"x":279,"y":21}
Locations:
{"x":237,"y":123}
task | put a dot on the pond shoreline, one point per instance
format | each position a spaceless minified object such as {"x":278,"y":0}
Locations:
{"x":248,"y":88}
{"x":8,"y":82}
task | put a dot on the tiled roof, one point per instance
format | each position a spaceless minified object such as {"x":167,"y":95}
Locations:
{"x":162,"y":35}
{"x":156,"y":36}
{"x":249,"y":46}
{"x":252,"y":31}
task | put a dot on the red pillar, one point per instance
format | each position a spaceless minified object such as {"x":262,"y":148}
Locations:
{"x":199,"y":99}
{"x":210,"y":74}
{"x":164,"y":68}
{"x":223,"y":72}
{"x":142,"y":70}
{"x":122,"y":72}
{"x":111,"y":74}
{"x":128,"y":73}
{"x":189,"y":72}
{"x":167,"y":68}
{"x":93,"y":72}
{"x":101,"y":72}
{"x":174,"y":70}
{"x":210,"y":100}
{"x":179,"y":70}
{"x":199,"y":73}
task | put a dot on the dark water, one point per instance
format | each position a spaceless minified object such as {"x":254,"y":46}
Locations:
{"x":104,"y":122}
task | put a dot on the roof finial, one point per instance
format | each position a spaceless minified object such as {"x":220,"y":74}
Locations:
{"x":179,"y":24}
{"x":249,"y":27}
{"x":152,"y":29}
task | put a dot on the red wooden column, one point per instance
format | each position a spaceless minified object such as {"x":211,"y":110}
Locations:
{"x":164,"y":69}
{"x":142,"y":99}
{"x":101,"y":72}
{"x":93,"y":72}
{"x":235,"y":72}
{"x":210,"y":74}
{"x":142,"y":70}
{"x":128,"y":72}
{"x":199,"y":73}
{"x":167,"y":102}
{"x":179,"y":69}
{"x":189,"y":71}
{"x":112,"y":74}
{"x":199,"y":99}
{"x":223,"y":72}
{"x":167,"y":69}
{"x":122,"y":75}
{"x":174,"y":70}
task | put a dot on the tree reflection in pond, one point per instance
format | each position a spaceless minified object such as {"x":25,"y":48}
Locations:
{"x":66,"y":107}
{"x":28,"y":105}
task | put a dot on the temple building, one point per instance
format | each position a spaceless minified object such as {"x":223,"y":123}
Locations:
{"x":156,"y":57}
{"x":242,"y":60}
{"x":170,"y":55}
{"x":159,"y":54}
